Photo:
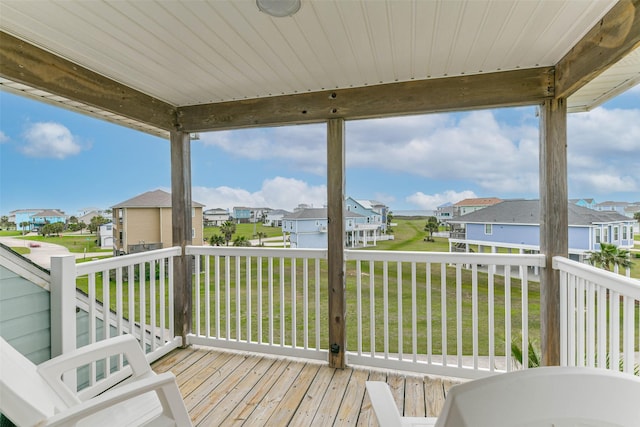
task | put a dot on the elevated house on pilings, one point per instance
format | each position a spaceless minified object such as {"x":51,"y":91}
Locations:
{"x":177,"y":69}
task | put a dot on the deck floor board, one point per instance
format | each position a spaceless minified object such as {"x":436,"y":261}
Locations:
{"x":222,"y":388}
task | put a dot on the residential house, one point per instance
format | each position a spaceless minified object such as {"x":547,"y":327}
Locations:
{"x":307,"y":228}
{"x":20,"y":216}
{"x":274,"y":217}
{"x":515,"y":224}
{"x":445,"y":212}
{"x":144,"y":222}
{"x":216,"y":216}
{"x":242,"y":214}
{"x":612,"y":206}
{"x":585,"y":203}
{"x":466,"y":206}
{"x":36,"y":217}
{"x":376,"y":212}
{"x":87,"y":216}
{"x":105,"y":236}
{"x":49,"y":216}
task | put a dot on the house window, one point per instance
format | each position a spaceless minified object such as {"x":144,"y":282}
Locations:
{"x":488,"y":229}
{"x":193,"y":212}
{"x":597,"y":235}
{"x":624,"y":232}
{"x":193,"y":233}
{"x":605,"y":235}
{"x":615,"y":234}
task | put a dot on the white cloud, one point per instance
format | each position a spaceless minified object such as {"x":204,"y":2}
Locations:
{"x":301,"y":147}
{"x":603,"y":151}
{"x":3,"y":137}
{"x":499,"y":156}
{"x":276,"y":193}
{"x":51,"y":140}
{"x":442,"y":146}
{"x":432,"y":201}
{"x":472,"y":146}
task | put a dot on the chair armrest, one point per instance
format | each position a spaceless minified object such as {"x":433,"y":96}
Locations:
{"x":52,"y":370}
{"x":164,"y":385}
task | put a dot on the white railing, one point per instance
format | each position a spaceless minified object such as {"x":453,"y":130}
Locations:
{"x":274,"y":301}
{"x":408,"y":333}
{"x":600,"y":317}
{"x":263,"y":300}
{"x":129,"y":294}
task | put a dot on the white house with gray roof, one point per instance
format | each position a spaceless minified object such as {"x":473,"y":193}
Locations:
{"x":307,"y":228}
{"x":515,"y":224}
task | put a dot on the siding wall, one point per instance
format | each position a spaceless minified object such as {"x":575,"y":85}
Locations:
{"x":525,"y":235}
{"x":25,"y":316}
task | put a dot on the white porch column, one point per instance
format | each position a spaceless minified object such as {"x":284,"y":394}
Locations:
{"x":63,"y":310}
{"x":181,"y":231}
{"x":554,"y":224}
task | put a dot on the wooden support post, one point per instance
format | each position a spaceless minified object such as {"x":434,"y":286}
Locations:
{"x":336,"y":230}
{"x":554,"y":223}
{"x":181,"y":231}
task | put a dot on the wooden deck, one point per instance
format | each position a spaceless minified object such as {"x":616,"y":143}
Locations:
{"x":232,"y":388}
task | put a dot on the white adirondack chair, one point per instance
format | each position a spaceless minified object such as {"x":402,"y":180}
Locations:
{"x":550,"y":396}
{"x":36,"y":395}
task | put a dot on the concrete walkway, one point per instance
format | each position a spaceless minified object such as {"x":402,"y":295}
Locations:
{"x":42,"y":255}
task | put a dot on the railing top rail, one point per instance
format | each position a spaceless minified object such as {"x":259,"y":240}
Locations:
{"x":447,"y":257}
{"x":616,"y":282}
{"x":257,"y":252}
{"x":125,"y":260}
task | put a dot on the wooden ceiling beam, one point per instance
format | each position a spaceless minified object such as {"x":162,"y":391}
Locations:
{"x":26,"y":63}
{"x":613,"y":37}
{"x":500,"y":89}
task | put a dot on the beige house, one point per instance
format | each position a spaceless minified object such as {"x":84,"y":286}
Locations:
{"x":144,"y":223}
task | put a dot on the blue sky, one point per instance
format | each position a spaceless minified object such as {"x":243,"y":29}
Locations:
{"x":54,"y":158}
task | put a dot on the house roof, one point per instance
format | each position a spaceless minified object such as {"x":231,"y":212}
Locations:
{"x":278,"y":212}
{"x":151,"y":199}
{"x":480,"y":201}
{"x":224,"y":64}
{"x":528,"y":212}
{"x":50,"y":212}
{"x":17,"y":211}
{"x":318,"y":213}
{"x":610,"y":203}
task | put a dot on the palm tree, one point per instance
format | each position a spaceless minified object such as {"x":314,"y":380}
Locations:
{"x":609,"y":256}
{"x":216,"y":240}
{"x":241,"y":241}
{"x":227,"y":229}
{"x":24,"y":225}
{"x":261,"y":235}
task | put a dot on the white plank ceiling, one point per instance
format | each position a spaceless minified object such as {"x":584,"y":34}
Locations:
{"x":194,"y":52}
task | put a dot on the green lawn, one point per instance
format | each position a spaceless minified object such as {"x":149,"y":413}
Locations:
{"x":21,"y":250}
{"x":9,"y":233}
{"x":246,"y":230}
{"x":77,"y":243}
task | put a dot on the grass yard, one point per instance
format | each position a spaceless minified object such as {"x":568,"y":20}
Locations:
{"x":77,"y":243}
{"x":21,"y":250}
{"x":9,"y":233}
{"x":245,"y":230}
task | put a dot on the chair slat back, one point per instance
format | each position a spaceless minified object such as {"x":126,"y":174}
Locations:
{"x":545,"y":396}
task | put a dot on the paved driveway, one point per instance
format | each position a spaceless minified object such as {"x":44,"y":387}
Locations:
{"x":42,"y":255}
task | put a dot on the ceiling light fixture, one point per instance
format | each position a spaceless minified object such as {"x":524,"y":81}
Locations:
{"x":278,"y":8}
